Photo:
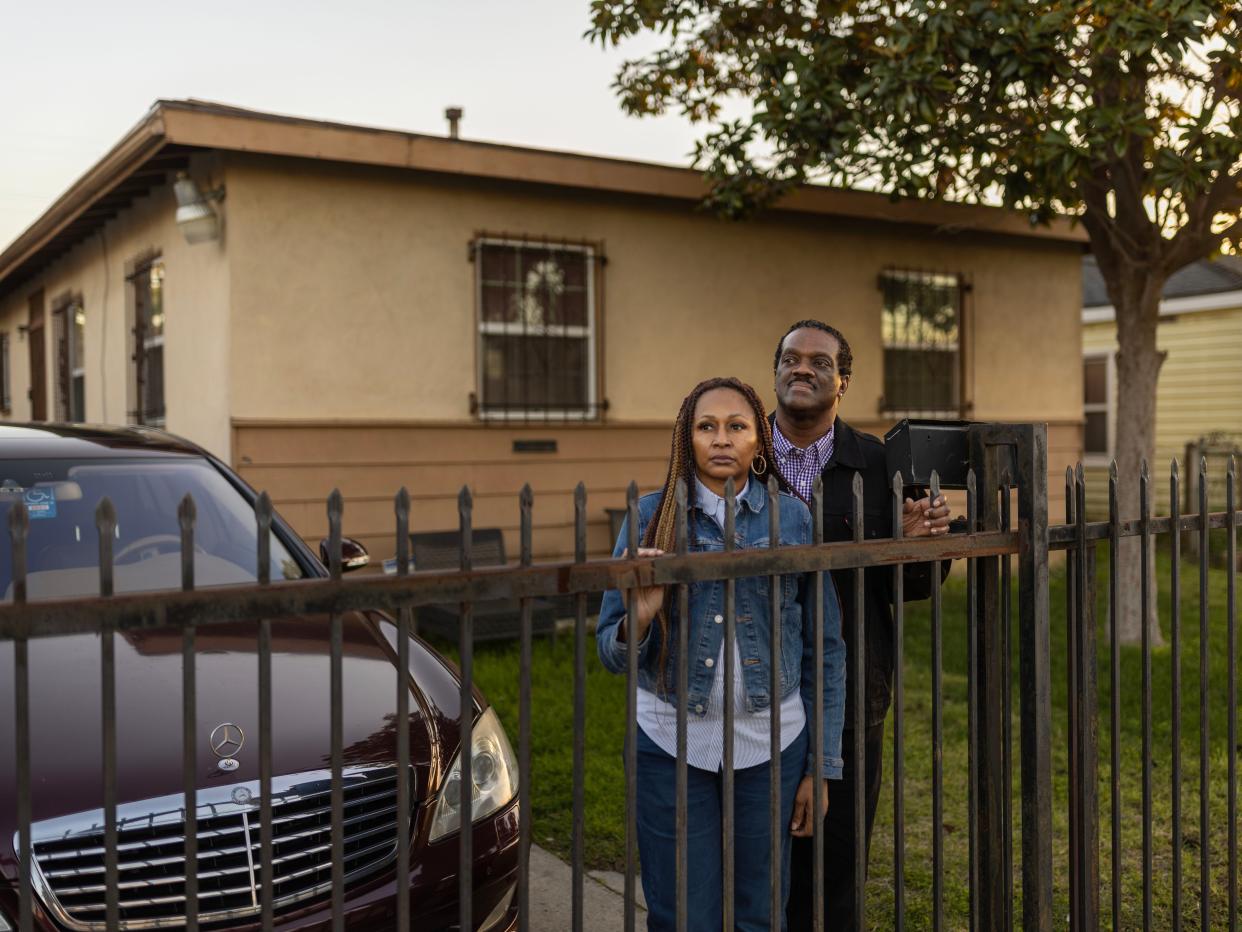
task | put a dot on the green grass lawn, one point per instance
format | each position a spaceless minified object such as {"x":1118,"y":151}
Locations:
{"x":551,"y":779}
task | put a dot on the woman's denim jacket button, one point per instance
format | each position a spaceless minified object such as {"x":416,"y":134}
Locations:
{"x":752,"y":600}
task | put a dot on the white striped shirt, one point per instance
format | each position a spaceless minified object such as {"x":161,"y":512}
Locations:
{"x":704,"y":733}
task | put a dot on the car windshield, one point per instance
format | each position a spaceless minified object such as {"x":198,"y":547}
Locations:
{"x":63,"y":544}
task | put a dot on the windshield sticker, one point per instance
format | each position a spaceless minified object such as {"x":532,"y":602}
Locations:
{"x":40,"y":503}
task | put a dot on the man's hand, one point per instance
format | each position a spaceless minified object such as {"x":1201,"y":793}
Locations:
{"x":925,"y":518}
{"x":800,"y":825}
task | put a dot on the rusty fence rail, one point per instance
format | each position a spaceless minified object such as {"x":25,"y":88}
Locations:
{"x":1007,"y":461}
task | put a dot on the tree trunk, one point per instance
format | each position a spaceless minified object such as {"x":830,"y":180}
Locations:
{"x":1138,"y":369}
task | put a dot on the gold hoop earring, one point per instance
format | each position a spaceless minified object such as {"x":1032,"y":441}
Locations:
{"x":759,"y":464}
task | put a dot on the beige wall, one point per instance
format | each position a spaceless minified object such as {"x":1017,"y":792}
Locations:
{"x":1199,"y":392}
{"x":353,"y":296}
{"x":333,"y":344}
{"x":353,"y":338}
{"x":196,"y":334}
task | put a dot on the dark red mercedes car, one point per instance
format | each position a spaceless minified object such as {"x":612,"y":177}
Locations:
{"x":61,"y":473}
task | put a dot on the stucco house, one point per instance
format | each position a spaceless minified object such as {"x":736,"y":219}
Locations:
{"x":1200,"y":390}
{"x":367,"y":308}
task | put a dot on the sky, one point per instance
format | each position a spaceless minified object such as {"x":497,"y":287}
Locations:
{"x":75,"y":76}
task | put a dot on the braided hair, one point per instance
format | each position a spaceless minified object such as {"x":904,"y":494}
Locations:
{"x":661,"y":531}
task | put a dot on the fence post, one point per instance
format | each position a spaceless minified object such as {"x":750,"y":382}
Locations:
{"x":1087,"y":701}
{"x":990,"y":791}
{"x":1035,"y":675}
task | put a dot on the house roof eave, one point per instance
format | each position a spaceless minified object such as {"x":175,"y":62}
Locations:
{"x":134,"y":149}
{"x":171,"y":129}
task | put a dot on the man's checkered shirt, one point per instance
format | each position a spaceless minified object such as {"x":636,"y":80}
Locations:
{"x":801,"y":466}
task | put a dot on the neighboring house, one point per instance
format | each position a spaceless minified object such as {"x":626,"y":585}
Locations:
{"x":1200,"y":389}
{"x":365,"y":308}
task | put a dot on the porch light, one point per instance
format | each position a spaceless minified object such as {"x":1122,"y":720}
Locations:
{"x":195,"y":216}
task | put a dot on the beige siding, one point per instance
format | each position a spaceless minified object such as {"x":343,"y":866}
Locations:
{"x":300,"y":464}
{"x":1200,"y":390}
{"x":196,"y":382}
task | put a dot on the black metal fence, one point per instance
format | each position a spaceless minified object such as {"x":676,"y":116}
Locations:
{"x":1216,"y":902}
{"x":1007,"y":461}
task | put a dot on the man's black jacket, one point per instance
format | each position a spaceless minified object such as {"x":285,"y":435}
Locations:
{"x":856,"y":452}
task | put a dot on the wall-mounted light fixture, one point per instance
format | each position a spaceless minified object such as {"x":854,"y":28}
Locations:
{"x":197,"y":219}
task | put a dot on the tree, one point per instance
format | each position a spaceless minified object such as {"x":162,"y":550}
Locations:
{"x":1122,"y":113}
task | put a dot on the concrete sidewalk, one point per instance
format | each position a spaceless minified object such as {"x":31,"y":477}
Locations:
{"x":551,"y":897}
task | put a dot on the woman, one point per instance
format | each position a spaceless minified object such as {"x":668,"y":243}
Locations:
{"x":722,"y":433}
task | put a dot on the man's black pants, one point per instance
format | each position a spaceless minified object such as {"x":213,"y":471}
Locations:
{"x":838,"y":842}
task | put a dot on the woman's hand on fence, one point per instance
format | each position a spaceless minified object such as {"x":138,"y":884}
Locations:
{"x":648,"y":600}
{"x":800,"y":824}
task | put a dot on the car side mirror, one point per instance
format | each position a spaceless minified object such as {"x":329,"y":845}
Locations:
{"x":354,"y":556}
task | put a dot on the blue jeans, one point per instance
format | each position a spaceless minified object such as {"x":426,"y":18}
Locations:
{"x":657,"y":839}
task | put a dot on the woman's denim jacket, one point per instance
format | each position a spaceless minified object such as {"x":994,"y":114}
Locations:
{"x":753,"y":607}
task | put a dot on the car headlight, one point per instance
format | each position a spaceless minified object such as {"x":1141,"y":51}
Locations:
{"x":495,"y":773}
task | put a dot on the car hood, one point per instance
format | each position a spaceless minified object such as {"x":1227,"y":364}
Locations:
{"x":66,"y":719}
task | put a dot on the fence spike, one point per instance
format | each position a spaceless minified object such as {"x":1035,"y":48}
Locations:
{"x":631,"y":512}
{"x":19,"y":530}
{"x":526,"y":508}
{"x":465,"y":523}
{"x":401,"y":510}
{"x":105,"y":511}
{"x":263,"y":523}
{"x":187,"y":515}
{"x":105,"y":524}
{"x":580,"y":522}
{"x":336,"y":506}
{"x":899,"y":488}
{"x":681,"y":535}
{"x":1112,"y":469}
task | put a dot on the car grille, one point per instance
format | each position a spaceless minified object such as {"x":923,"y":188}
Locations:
{"x":69,"y":852}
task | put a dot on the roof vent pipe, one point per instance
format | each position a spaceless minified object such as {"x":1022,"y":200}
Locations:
{"x":453,"y":115}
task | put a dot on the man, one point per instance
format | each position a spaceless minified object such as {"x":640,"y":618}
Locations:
{"x":813,"y":365}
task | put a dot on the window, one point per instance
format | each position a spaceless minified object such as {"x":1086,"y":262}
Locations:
{"x":63,"y":551}
{"x":6,"y":399}
{"x":536,"y":336}
{"x":69,"y":320}
{"x":1097,"y":384}
{"x":148,"y":355}
{"x":921,"y":326}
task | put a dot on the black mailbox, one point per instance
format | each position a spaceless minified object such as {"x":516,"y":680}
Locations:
{"x":916,"y":447}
